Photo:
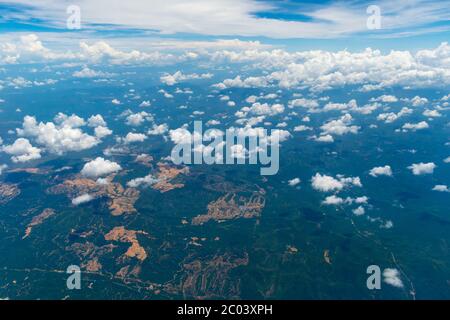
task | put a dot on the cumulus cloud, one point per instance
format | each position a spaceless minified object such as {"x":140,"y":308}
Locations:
{"x":96,"y":121}
{"x":145,"y":103}
{"x":158,"y":129}
{"x":172,"y":79}
{"x":326,"y":183}
{"x":422,"y":168}
{"x":100,"y":167}
{"x":293,"y":182}
{"x":340,"y":126}
{"x":418,"y":101}
{"x":136,"y":119}
{"x":89,"y":73}
{"x":328,"y":138}
{"x":82,"y":199}
{"x":370,"y":69}
{"x":330,"y":106}
{"x":390,"y":117}
{"x":385,"y":98}
{"x":132,"y":137}
{"x":415,"y":126}
{"x":301,"y":128}
{"x":381,"y":171}
{"x":359,"y":211}
{"x":441,"y":188}
{"x":22,"y":151}
{"x":62,"y":136}
{"x":260,"y":109}
{"x":101,"y":132}
{"x":432,"y":113}
{"x":317,"y":70}
{"x":392,"y":277}
{"x":333,"y":200}
{"x":145,"y":181}
{"x":250,"y":82}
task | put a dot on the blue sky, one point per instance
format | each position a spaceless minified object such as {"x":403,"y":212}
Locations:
{"x":294,"y":25}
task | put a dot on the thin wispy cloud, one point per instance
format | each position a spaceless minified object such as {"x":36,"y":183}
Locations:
{"x":238,"y":17}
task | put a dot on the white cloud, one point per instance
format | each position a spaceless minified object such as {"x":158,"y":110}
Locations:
{"x":22,"y":151}
{"x":145,"y":103}
{"x":82,"y":199}
{"x":415,"y":126}
{"x":324,"y":138}
{"x":89,"y":73}
{"x":115,"y":101}
{"x":422,"y":168}
{"x":392,"y":277}
{"x":358,"y":200}
{"x":301,"y":128}
{"x":259,"y":109}
{"x":96,"y":121}
{"x":441,"y":188}
{"x":330,"y":106}
{"x":431,"y":113}
{"x":146,"y":181}
{"x":293,"y":182}
{"x":61,"y":137}
{"x":72,"y":121}
{"x":101,"y":132}
{"x":322,"y":70}
{"x":359,"y":211}
{"x":418,"y":101}
{"x":132,"y":137}
{"x":316,"y":70}
{"x":391,"y":116}
{"x":381,"y":171}
{"x":304,"y":103}
{"x":136,"y":119}
{"x":340,"y":126}
{"x":250,"y":82}
{"x":213,"y":122}
{"x":385,"y":98}
{"x":100,"y":167}
{"x":326,"y":183}
{"x":158,"y":129}
{"x":172,"y":79}
{"x":333,"y":200}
